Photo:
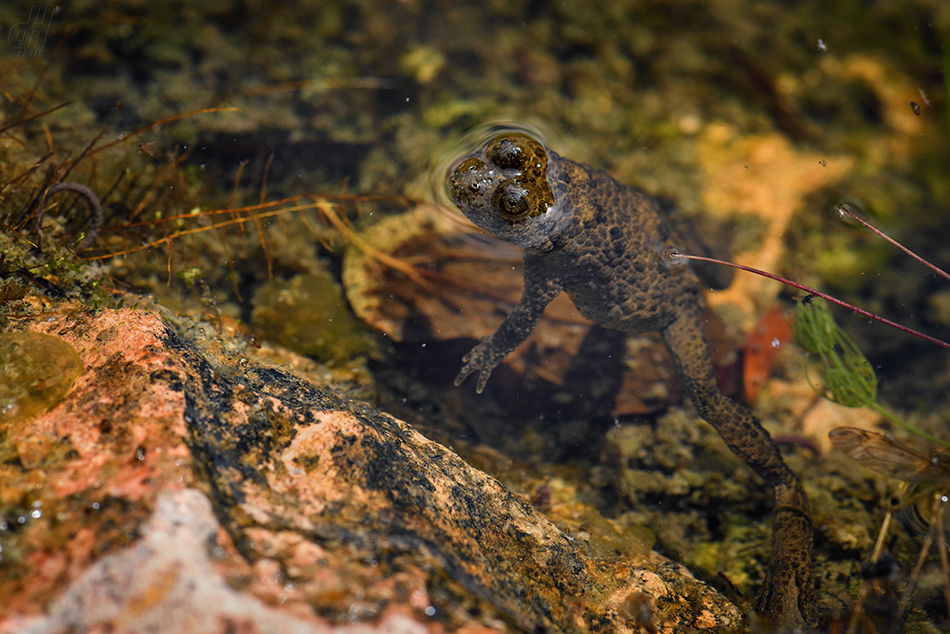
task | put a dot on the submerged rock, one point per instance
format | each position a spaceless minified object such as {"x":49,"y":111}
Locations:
{"x":307,"y":314}
{"x":326,"y":513}
{"x":36,"y":371}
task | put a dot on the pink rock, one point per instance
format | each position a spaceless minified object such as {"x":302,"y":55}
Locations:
{"x":326,"y":513}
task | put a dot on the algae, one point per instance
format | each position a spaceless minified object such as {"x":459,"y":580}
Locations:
{"x":308,"y":315}
{"x":36,"y":372}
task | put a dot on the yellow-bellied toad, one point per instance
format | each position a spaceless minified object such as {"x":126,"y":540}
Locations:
{"x":605,"y":245}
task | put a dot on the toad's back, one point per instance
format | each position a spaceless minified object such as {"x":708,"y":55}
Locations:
{"x":611,"y":260}
{"x":604,"y":244}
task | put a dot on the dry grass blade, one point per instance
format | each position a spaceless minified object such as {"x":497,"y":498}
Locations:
{"x":328,"y":212}
{"x":33,"y":117}
{"x":126,"y":137}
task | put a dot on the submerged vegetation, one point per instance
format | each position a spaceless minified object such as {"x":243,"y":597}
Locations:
{"x":232,"y":177}
{"x":848,"y":379}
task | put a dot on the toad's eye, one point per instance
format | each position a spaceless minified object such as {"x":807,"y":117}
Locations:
{"x":507,"y":152}
{"x":512,"y":202}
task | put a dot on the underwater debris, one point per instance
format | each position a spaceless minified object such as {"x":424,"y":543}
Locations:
{"x":812,"y":293}
{"x":761,"y":349}
{"x":850,"y":380}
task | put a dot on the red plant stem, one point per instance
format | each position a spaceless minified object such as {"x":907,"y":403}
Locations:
{"x":817,"y":293}
{"x":845,"y":208}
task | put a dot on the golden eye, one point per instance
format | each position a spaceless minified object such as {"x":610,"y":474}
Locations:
{"x":512,"y":202}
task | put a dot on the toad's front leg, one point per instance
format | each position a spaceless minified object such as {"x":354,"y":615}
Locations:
{"x":788,"y":595}
{"x":483,"y":358}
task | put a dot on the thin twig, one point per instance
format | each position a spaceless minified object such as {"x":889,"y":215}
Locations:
{"x":33,"y":117}
{"x":816,"y":293}
{"x":845,"y":208}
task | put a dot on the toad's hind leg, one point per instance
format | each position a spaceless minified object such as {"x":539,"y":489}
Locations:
{"x":788,"y":595}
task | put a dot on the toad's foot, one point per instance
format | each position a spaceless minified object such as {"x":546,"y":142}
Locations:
{"x":788,"y":594}
{"x":483,"y":358}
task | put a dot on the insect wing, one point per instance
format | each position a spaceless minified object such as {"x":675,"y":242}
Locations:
{"x":885,"y":455}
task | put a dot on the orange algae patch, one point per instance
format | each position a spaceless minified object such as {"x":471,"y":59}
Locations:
{"x":36,"y":372}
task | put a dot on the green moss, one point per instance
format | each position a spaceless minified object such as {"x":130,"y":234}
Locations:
{"x":308,"y":315}
{"x":710,"y":556}
{"x":609,"y":542}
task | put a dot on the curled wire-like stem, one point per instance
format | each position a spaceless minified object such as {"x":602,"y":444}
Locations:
{"x":95,"y":208}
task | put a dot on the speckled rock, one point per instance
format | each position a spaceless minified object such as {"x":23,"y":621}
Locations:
{"x":166,"y":582}
{"x":326,"y":513}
